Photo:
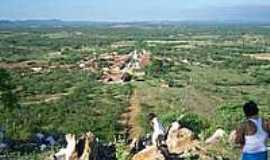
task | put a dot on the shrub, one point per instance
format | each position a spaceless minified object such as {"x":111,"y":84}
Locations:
{"x":196,"y":123}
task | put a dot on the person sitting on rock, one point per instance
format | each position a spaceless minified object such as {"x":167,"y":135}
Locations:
{"x":253,"y":133}
{"x":158,"y":136}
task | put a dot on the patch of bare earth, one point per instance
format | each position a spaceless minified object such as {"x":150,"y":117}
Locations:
{"x":259,"y":56}
{"x":130,"y":119}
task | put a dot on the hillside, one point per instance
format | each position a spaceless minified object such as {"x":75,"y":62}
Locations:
{"x":106,"y":80}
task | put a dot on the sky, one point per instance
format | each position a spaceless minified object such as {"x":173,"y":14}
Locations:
{"x":136,"y":10}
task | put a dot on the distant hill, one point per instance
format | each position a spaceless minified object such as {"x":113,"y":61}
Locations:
{"x":46,"y":23}
{"x":140,"y":24}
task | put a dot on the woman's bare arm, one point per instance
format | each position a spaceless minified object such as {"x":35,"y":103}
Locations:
{"x":240,"y":135}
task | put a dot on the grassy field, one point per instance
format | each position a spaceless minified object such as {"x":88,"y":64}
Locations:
{"x":199,"y":75}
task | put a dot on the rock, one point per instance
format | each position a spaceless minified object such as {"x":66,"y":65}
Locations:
{"x":232,"y":137}
{"x":42,"y":147}
{"x":216,"y":137}
{"x":70,"y":152}
{"x":90,"y":147}
{"x":150,"y":153}
{"x":53,"y":54}
{"x":82,"y":149}
{"x":36,"y":69}
{"x":180,"y":139}
{"x":185,"y":61}
{"x":82,"y":65}
{"x":51,"y":141}
{"x":61,"y":155}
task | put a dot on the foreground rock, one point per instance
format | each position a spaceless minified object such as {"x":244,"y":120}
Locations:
{"x":216,"y":137}
{"x":181,"y":144}
{"x":150,"y":153}
{"x":82,"y":149}
{"x":180,"y":139}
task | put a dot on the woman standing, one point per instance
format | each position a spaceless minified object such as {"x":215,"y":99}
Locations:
{"x":253,"y":134}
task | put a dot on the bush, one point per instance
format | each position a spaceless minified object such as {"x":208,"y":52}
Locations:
{"x":192,"y":121}
{"x":170,"y":117}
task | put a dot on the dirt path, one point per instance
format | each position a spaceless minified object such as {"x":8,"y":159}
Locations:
{"x":130,"y":119}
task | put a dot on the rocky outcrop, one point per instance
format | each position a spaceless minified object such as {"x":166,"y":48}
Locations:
{"x":83,"y":148}
{"x":180,"y":140}
{"x":181,"y":144}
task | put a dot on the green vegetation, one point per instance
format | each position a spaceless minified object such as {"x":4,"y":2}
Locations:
{"x":199,"y":75}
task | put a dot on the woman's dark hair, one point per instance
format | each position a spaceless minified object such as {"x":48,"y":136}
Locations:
{"x":151,"y":116}
{"x":250,"y":109}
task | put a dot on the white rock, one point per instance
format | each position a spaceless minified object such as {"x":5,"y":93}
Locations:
{"x":61,"y":155}
{"x":216,"y":137}
{"x":42,"y":147}
{"x":185,"y":61}
{"x":175,"y":126}
{"x":82,"y":65}
{"x":36,"y":69}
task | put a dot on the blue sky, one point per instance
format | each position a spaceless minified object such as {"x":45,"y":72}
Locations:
{"x":136,"y":10}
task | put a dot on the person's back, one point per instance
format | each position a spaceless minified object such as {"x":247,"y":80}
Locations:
{"x":257,"y":142}
{"x":253,"y":134}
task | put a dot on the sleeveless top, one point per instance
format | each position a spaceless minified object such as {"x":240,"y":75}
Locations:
{"x":256,"y":143}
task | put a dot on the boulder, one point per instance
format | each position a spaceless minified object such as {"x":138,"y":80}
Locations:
{"x":216,"y":137}
{"x":150,"y":153}
{"x":232,"y":137}
{"x":180,"y":140}
{"x":82,"y":149}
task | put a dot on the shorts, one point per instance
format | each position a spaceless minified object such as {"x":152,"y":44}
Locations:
{"x":254,"y":156}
